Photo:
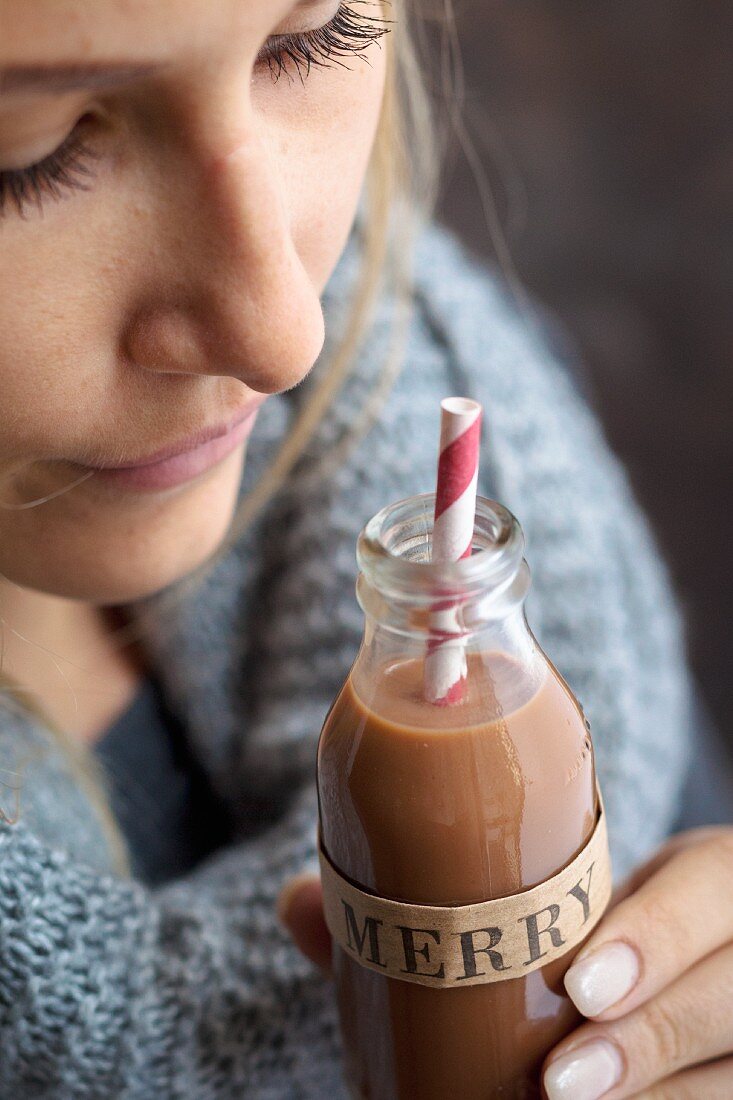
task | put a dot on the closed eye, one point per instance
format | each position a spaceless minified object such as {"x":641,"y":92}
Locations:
{"x":68,"y":168}
{"x":349,"y":33}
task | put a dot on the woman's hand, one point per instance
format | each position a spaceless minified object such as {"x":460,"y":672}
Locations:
{"x":656,"y":979}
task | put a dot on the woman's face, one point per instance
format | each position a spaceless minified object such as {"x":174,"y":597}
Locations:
{"x":175,"y":192}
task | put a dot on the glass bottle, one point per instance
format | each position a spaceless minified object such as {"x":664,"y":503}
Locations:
{"x":451,"y":805}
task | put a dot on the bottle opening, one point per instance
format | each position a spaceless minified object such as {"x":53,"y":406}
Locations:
{"x":394,"y":552}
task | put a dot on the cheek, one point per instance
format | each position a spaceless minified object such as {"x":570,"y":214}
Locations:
{"x":324,"y":137}
{"x":56,"y":333}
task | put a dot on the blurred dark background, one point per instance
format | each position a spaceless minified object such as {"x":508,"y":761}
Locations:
{"x":605,"y":132}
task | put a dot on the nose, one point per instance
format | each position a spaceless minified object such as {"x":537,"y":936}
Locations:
{"x":231,"y":295}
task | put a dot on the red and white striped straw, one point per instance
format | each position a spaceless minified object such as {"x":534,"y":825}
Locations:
{"x":455,"y":513}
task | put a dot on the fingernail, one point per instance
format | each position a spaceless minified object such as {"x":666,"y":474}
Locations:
{"x":586,"y":1073}
{"x":602,"y":978}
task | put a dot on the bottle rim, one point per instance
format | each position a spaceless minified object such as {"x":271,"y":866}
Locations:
{"x":393,"y":550}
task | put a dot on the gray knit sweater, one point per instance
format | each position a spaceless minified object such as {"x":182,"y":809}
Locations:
{"x":111,"y":989}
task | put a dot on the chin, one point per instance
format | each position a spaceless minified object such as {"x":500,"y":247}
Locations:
{"x":107,"y":554}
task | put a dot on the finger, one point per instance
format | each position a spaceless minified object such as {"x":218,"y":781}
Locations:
{"x":690,"y":1022}
{"x":300,"y":908}
{"x":677,"y":917}
{"x":677,"y":843}
{"x":711,"y":1082}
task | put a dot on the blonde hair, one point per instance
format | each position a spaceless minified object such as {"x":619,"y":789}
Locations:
{"x":400,"y":190}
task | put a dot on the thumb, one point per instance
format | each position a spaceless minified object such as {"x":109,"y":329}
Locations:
{"x":300,"y":909}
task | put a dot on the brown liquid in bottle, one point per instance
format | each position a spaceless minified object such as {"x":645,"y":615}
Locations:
{"x":440,"y":806}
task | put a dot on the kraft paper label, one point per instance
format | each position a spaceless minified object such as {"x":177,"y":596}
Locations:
{"x":491,"y":941}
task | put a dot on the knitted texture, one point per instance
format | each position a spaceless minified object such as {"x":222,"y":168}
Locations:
{"x":111,"y":989}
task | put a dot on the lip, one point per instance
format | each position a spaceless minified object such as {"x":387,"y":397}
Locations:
{"x":181,"y":462}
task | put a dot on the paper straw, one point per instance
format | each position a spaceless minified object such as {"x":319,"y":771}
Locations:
{"x":455,"y":512}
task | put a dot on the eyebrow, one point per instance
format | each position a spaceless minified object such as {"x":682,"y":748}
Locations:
{"x":67,"y":78}
{"x":74,"y":77}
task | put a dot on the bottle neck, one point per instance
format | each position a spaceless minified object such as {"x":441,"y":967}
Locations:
{"x":508,"y":636}
{"x":444,"y":636}
{"x":403,"y":592}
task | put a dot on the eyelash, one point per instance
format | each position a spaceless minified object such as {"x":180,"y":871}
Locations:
{"x":349,"y":32}
{"x":68,"y":168}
